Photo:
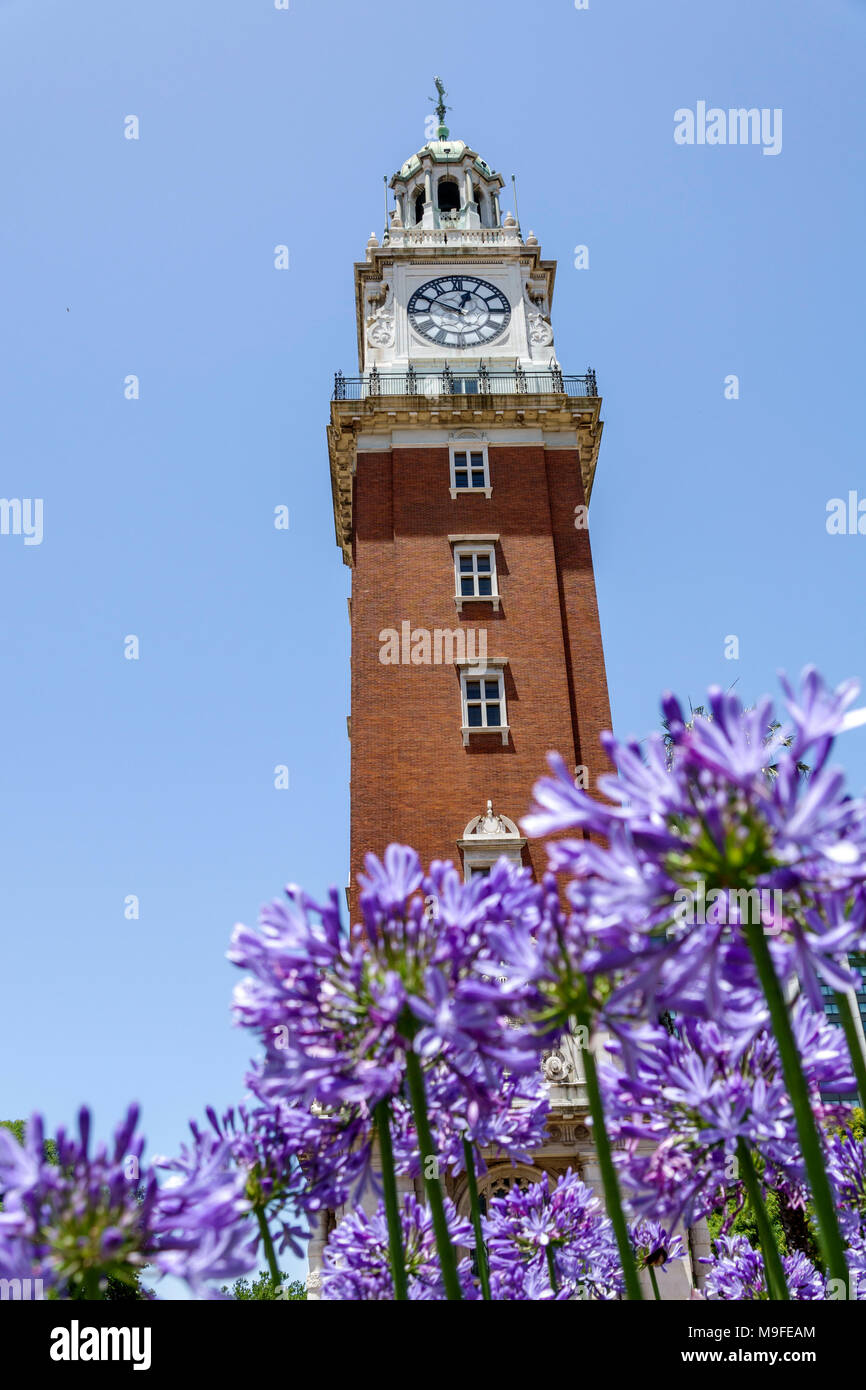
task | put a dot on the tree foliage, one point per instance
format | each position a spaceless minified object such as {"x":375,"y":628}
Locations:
{"x":262,"y":1289}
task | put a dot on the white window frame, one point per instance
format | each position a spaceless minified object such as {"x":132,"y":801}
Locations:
{"x":472,"y":671}
{"x":480,"y":869}
{"x":468,"y":447}
{"x":475,"y":545}
{"x":473,"y":868}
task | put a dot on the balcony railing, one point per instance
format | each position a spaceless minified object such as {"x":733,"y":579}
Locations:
{"x":451,"y":230}
{"x":482,"y":382}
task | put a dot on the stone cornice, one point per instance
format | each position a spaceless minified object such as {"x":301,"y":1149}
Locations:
{"x":382,"y":414}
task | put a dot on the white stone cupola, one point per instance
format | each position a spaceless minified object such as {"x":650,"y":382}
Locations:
{"x":446,"y":185}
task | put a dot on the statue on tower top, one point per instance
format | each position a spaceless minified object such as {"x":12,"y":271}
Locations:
{"x":441,"y":108}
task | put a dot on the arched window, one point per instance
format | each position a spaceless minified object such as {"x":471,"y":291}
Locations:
{"x":420,"y":200}
{"x":480,"y":203}
{"x":448,"y":195}
{"x":497,"y":1184}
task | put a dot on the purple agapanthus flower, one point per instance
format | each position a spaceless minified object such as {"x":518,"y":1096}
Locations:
{"x":711,"y":832}
{"x":550,"y":1242}
{"x":356,"y":1258}
{"x":654,"y":1246}
{"x":736,"y":1273}
{"x":344,"y":1009}
{"x":94,"y":1215}
{"x":335,"y":1146}
{"x":512,"y":1128}
{"x":856,"y":1258}
{"x":339,"y":1012}
{"x":203,"y":1220}
{"x":264,"y":1151}
{"x":683,"y":1101}
{"x":846,"y":1165}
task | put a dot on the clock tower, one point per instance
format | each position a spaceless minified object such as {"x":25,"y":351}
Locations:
{"x":462,"y":459}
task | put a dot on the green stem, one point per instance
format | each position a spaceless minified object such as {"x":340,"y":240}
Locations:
{"x":91,"y":1285}
{"x":268,"y":1243}
{"x":829,"y":1235}
{"x":447,"y":1257}
{"x":777,"y":1287}
{"x":612,"y":1199}
{"x":392,"y":1209}
{"x":475,"y":1209}
{"x":551,"y":1269}
{"x":655,"y":1283}
{"x":852,"y":1026}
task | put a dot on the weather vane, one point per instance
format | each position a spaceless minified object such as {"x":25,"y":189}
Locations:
{"x":441,"y":108}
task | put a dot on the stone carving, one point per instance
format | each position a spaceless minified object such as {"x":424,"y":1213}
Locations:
{"x":561,"y":1134}
{"x":380,"y":333}
{"x":492,"y":826}
{"x":489,"y":824}
{"x":565,"y":1133}
{"x":540,"y":331}
{"x":555,"y":1066}
{"x":490,"y":836}
{"x":380,"y":323}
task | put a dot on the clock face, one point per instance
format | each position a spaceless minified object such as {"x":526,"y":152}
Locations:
{"x":459,"y":311}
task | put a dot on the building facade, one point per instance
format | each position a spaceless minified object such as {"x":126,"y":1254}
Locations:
{"x":857,"y":963}
{"x":462,"y":461}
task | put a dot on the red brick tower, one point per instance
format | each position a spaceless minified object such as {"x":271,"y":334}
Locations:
{"x":462,"y":461}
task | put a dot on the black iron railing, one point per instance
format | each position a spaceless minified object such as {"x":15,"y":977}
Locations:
{"x":461,"y":383}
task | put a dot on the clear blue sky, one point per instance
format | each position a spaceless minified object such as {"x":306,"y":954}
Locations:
{"x":155,"y":257}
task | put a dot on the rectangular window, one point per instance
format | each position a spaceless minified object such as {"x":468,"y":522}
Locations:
{"x":470,"y":469}
{"x":475,"y":574}
{"x":483,"y":696}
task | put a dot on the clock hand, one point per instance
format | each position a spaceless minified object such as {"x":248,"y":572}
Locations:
{"x":451,"y":308}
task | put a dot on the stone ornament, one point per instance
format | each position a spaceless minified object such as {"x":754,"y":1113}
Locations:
{"x":555,"y":1066}
{"x":380,"y":323}
{"x":540,"y":331}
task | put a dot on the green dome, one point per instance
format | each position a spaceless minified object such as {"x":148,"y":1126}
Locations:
{"x":442,"y":152}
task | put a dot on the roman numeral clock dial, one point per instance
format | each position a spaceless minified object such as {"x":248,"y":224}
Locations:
{"x":459,"y":311}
